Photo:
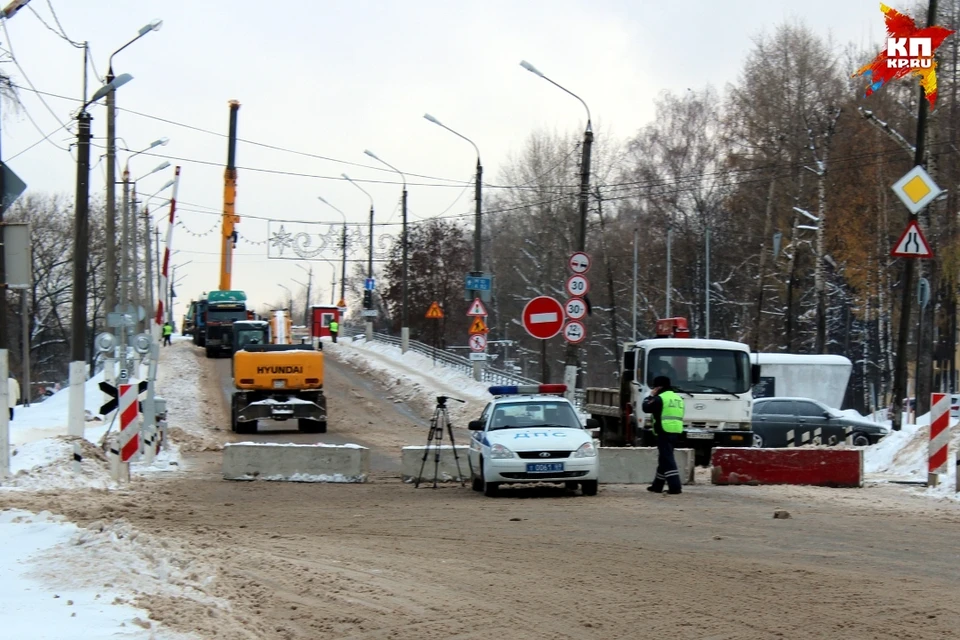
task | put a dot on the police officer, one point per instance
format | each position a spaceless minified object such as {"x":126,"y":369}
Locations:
{"x":334,"y":329}
{"x":167,"y":333}
{"x":666,"y":407}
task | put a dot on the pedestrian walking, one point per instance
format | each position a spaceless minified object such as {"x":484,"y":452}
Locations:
{"x":666,"y":407}
{"x":334,"y":329}
{"x":167,"y":333}
{"x":13,"y":393}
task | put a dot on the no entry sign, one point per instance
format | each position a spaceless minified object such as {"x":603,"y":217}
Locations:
{"x":543,"y":317}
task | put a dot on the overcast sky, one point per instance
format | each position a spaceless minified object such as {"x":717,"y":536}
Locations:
{"x":335,"y":78}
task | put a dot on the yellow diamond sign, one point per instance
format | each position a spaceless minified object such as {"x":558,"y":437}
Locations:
{"x":916,"y":189}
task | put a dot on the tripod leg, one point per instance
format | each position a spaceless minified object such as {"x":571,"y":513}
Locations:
{"x":426,"y":449}
{"x":438,"y":448}
{"x":453,"y":446}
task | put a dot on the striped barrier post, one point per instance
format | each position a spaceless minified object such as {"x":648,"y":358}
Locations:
{"x":939,"y":437}
{"x":129,"y":431}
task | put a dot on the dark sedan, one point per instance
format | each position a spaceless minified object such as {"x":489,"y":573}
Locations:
{"x":794,"y":422}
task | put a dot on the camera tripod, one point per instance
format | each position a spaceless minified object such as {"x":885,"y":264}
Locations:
{"x":440,"y":420}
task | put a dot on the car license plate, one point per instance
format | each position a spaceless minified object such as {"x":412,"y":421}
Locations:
{"x":544,"y":467}
{"x":699,"y":435}
{"x":279,"y":384}
{"x":283,"y":410}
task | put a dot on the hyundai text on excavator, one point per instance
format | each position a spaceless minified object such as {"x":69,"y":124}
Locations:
{"x":275,"y":381}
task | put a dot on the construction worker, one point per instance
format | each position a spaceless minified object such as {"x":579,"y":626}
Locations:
{"x":334,"y":329}
{"x":666,"y":407}
{"x":13,"y":393}
{"x":167,"y":333}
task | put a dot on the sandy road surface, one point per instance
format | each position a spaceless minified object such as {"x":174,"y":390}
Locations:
{"x":385,"y":560}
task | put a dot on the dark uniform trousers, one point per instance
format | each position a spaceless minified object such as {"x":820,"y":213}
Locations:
{"x":667,"y":471}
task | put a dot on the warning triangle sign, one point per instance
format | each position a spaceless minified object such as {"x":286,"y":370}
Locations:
{"x":477,"y":308}
{"x":434,"y":312}
{"x":478,"y":326}
{"x":912,"y":244}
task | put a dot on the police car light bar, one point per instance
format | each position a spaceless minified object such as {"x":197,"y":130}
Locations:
{"x":525,"y":389}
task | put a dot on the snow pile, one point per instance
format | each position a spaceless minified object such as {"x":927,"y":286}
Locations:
{"x":98,"y":573}
{"x":414,"y":379}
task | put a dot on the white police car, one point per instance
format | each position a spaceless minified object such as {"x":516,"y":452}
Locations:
{"x":527,"y":435}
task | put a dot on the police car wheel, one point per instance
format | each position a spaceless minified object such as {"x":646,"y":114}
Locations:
{"x":571,"y":486}
{"x":590,"y":487}
{"x":476,"y":483}
{"x":490,"y":489}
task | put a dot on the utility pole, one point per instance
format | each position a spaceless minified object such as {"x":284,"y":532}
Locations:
{"x":907,"y":288}
{"x":148,"y":263}
{"x":111,"y":223}
{"x":125,"y":243}
{"x":404,"y":326}
{"x":134,"y":250}
{"x":306,"y":307}
{"x":367,"y":294}
{"x":706,"y":289}
{"x":343,"y":265}
{"x":634,"y":323}
{"x":669,"y":267}
{"x":78,"y":316}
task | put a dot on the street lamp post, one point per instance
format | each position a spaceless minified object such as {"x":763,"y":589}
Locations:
{"x":81,"y":241}
{"x":148,"y":258}
{"x":111,"y":222}
{"x":573,"y":350}
{"x":289,"y":297}
{"x":404,"y":326}
{"x":170,"y":290}
{"x":343,"y":253}
{"x":367,"y":294}
{"x":306,"y":307}
{"x":478,"y":221}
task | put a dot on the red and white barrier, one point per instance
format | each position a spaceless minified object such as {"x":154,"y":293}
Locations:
{"x":939,"y":437}
{"x":819,"y":467}
{"x":129,"y":428}
{"x":164,"y":272}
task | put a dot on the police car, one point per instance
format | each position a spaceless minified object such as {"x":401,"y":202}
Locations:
{"x":528,"y":435}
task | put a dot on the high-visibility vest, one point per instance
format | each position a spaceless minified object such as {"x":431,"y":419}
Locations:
{"x":335,"y":326}
{"x":672,"y":416}
{"x":167,"y":330}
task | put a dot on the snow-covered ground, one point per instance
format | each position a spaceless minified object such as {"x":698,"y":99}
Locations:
{"x":58,"y":580}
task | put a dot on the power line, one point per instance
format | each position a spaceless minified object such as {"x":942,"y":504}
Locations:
{"x":61,"y":33}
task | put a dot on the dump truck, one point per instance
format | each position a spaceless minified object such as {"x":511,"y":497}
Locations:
{"x":714,"y":377}
{"x":221,"y":310}
{"x":188,"y":324}
{"x":275,"y":381}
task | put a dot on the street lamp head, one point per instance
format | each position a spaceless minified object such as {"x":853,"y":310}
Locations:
{"x":160,"y":167}
{"x":371,"y":154}
{"x":431,"y":118}
{"x":117,"y":82}
{"x":346,"y":177}
{"x":529,"y":67}
{"x":153,"y":26}
{"x":169,"y":184}
{"x":162,"y":142}
{"x":320,"y":198}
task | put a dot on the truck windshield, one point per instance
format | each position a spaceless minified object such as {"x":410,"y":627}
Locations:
{"x":225,"y":315}
{"x":701,"y":370}
{"x":534,"y":414}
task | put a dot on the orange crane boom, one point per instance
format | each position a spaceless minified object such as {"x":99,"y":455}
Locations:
{"x":230,"y":218}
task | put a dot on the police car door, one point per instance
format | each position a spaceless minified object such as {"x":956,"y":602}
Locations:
{"x":476,"y":437}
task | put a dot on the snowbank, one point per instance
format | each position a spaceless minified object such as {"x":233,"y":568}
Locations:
{"x":60,"y":581}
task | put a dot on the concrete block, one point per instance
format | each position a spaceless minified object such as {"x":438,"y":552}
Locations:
{"x":412,"y":457}
{"x":820,"y":467}
{"x":296,"y":462}
{"x":638,"y":465}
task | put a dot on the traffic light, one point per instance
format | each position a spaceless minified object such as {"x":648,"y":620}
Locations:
{"x":367,"y":299}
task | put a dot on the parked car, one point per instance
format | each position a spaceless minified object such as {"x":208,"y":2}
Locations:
{"x":783,"y":422}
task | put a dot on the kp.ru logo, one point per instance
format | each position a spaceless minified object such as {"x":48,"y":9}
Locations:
{"x":909,"y":51}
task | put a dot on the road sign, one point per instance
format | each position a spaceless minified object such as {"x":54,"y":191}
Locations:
{"x":543,"y":317}
{"x":478,"y":326}
{"x":369,"y":313}
{"x":369,"y":284}
{"x":579,"y":262}
{"x":478,"y":342}
{"x":13,"y":186}
{"x":477,"y":308}
{"x":577,"y":286}
{"x":111,"y":391}
{"x":120,"y":320}
{"x":434,"y":312}
{"x":916,"y":189}
{"x":342,"y":303}
{"x":912,"y":244}
{"x":574,"y":332}
{"x":575,"y":308}
{"x":478,"y":356}
{"x":482,"y":282}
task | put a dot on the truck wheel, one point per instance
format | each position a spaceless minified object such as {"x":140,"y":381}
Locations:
{"x":248,"y":428}
{"x":210,"y":352}
{"x":233,"y":417}
{"x":590,"y":487}
{"x":307,"y":425}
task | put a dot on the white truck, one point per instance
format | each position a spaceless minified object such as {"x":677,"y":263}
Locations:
{"x":715,"y":378}
{"x":820,"y":377}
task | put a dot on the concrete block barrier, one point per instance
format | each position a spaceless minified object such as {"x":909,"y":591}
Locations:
{"x":819,"y":467}
{"x":296,"y":462}
{"x":638,"y":465}
{"x":412,"y":457}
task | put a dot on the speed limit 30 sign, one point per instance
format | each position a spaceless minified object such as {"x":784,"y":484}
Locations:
{"x":577,"y":286}
{"x":574,"y":332}
{"x":575,"y":308}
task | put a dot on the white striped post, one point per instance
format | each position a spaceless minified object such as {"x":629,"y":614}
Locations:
{"x":939,"y":437}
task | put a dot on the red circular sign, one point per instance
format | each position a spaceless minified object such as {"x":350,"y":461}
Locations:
{"x":543,"y":317}
{"x":575,"y":308}
{"x":574,"y":332}
{"x":577,"y":286}
{"x":579,"y":262}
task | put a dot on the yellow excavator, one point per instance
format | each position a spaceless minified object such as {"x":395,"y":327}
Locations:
{"x":275,"y":381}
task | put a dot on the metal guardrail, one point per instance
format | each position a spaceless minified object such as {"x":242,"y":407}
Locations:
{"x":459,"y":363}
